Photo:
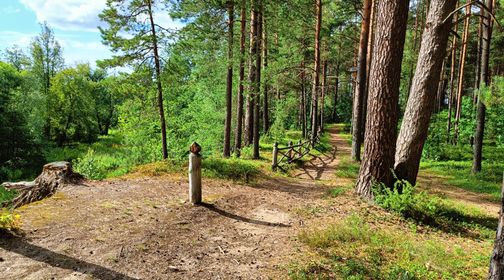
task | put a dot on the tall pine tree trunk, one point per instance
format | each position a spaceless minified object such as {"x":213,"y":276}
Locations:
{"x":249,"y":112}
{"x":360,"y":88}
{"x":335,"y":95}
{"x":485,"y":78}
{"x":158,"y":81}
{"x":316,"y":68}
{"x":453,"y":67}
{"x":257,"y":82}
{"x":302,"y":108}
{"x":239,"y":107}
{"x":229,"y":81}
{"x":381,"y":124}
{"x":266,"y":121}
{"x":323,"y":94}
{"x":460,"y":87}
{"x":418,"y":112}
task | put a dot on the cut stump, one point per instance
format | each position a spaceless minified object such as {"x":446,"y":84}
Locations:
{"x":53,"y":176}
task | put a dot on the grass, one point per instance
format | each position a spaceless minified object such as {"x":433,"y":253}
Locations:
{"x":6,"y":195}
{"x":357,"y":249}
{"x":458,"y":174}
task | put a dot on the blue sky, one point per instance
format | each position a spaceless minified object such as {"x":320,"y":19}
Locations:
{"x":74,"y":22}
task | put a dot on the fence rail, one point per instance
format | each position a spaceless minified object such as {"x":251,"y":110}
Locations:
{"x":291,"y":153}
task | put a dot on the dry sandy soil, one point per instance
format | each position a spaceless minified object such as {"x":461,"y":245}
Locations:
{"x":143,"y":228}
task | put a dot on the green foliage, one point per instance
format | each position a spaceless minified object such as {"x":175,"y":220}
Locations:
{"x":433,"y":211}
{"x":233,"y":168}
{"x":18,"y":151}
{"x":9,"y":220}
{"x":6,"y":195}
{"x":72,"y":115}
{"x":356,"y":249}
{"x":458,"y":174}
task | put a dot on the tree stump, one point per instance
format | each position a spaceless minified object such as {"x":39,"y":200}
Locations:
{"x":53,"y":176}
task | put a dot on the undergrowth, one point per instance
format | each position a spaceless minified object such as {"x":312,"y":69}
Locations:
{"x":355,"y":249}
{"x":443,"y":214}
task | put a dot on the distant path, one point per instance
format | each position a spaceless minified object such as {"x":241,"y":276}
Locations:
{"x":141,"y":228}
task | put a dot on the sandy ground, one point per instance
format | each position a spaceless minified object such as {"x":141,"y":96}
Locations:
{"x":143,"y":228}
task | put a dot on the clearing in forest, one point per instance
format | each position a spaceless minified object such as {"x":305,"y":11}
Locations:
{"x":276,"y":227}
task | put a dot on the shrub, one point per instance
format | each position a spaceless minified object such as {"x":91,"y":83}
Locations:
{"x":9,"y":220}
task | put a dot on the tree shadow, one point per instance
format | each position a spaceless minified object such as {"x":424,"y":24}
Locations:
{"x":224,"y":213}
{"x":22,"y":247}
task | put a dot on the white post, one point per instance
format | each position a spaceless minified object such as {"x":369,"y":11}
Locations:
{"x":195,"y":174}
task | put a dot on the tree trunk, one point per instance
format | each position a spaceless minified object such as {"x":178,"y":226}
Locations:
{"x":381,"y":125}
{"x":322,"y":99}
{"x":257,"y":82}
{"x":415,"y":45}
{"x":372,"y":24}
{"x":453,"y":66}
{"x":360,"y":88}
{"x":53,"y":176}
{"x":485,"y":78}
{"x":316,"y":68}
{"x":158,"y":82}
{"x":335,"y":97}
{"x":249,"y":113}
{"x":496,"y":271}
{"x":460,"y":87}
{"x":229,"y":82}
{"x":478,"y":62}
{"x":418,"y":112}
{"x":303,"y":100}
{"x":266,"y":121}
{"x":239,"y":107}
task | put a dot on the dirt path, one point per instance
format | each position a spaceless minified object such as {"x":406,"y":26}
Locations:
{"x":143,"y":229}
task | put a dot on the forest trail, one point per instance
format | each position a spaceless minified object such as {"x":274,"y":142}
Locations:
{"x":142,"y":228}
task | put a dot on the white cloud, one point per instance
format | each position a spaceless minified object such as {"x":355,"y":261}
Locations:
{"x":77,"y":15}
{"x":10,"y":10}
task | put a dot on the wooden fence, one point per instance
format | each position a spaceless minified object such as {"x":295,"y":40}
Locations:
{"x":291,"y":153}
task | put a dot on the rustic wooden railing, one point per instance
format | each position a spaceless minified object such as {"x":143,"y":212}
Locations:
{"x":291,"y":153}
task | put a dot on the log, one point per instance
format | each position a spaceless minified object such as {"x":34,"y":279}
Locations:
{"x":54,"y":175}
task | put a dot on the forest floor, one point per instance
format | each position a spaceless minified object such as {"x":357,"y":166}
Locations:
{"x":141,"y":227}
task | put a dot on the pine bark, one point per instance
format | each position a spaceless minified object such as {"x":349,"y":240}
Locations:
{"x":460,"y":87}
{"x":381,"y":124}
{"x":249,"y":113}
{"x":453,"y":67}
{"x":257,"y":82}
{"x":323,"y":94}
{"x":418,"y":112}
{"x":239,"y":101}
{"x":157,"y":64}
{"x":335,"y":95}
{"x":360,"y":88}
{"x":266,"y":121}
{"x":302,"y":108}
{"x":496,"y":271}
{"x":229,"y":82}
{"x":485,"y":78}
{"x":316,"y":68}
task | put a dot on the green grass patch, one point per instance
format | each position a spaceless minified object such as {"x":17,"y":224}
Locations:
{"x":6,"y":195}
{"x":232,"y":168}
{"x":347,"y":168}
{"x":458,"y":174}
{"x":354,"y":249}
{"x":338,"y":191}
{"x":447,"y":215}
{"x":9,"y":220}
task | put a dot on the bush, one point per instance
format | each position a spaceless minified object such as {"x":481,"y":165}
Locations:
{"x":9,"y":220}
